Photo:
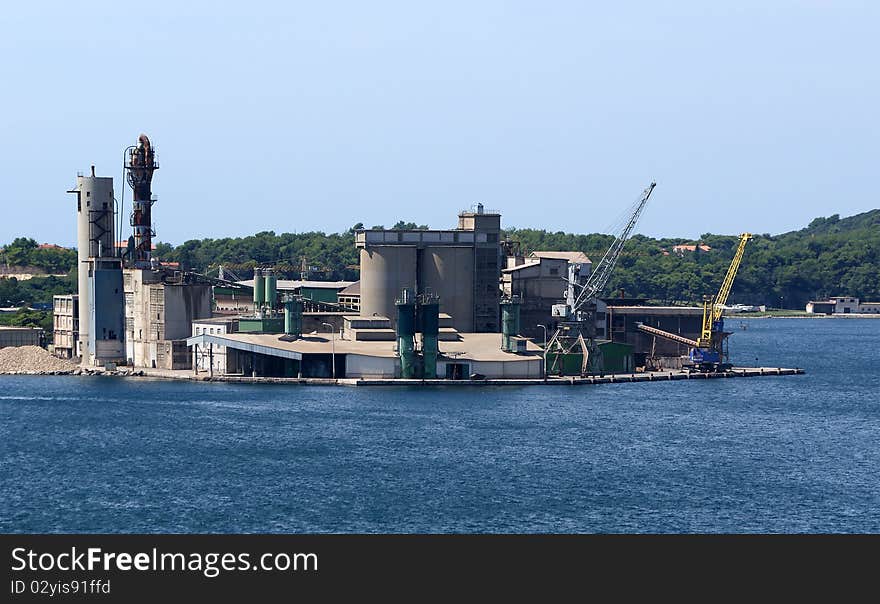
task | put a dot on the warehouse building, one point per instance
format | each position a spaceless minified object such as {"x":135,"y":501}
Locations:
{"x":843,"y":305}
{"x":622,"y":317}
{"x":21,"y":336}
{"x":326,"y":356}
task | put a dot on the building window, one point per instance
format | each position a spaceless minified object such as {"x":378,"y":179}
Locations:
{"x":554,"y":271}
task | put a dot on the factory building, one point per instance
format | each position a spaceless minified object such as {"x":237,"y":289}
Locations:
{"x":539,"y":281}
{"x":160,"y":307}
{"x":129,"y":308}
{"x":65,"y":326}
{"x":462,"y":266}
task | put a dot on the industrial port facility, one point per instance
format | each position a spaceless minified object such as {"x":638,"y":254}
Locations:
{"x":457,"y":304}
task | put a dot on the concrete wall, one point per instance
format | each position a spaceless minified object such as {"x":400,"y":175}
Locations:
{"x":362,"y":366}
{"x":520,"y":369}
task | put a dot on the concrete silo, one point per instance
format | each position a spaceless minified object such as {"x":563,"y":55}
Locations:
{"x":385,"y":271}
{"x":95,"y":219}
{"x":448,"y":271}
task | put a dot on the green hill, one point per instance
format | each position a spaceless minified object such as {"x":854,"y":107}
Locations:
{"x":831,"y":256}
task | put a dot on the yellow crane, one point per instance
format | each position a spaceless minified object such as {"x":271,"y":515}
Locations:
{"x":705,"y":352}
{"x":708,"y":350}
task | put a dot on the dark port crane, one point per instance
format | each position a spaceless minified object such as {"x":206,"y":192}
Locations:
{"x":575,"y":337}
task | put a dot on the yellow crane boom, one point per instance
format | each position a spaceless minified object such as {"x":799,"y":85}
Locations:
{"x":714,"y":307}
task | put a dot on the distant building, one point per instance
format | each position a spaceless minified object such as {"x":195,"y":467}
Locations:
{"x":65,"y":326}
{"x":21,"y":336}
{"x":681,"y":250}
{"x":212,"y":358}
{"x":540,"y":281}
{"x":843,"y":305}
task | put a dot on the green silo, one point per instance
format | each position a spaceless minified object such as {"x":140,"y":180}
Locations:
{"x":406,"y":327}
{"x":510,"y":327}
{"x":293,"y":309}
{"x":259,"y":289}
{"x":271,"y":288}
{"x":429,"y":312}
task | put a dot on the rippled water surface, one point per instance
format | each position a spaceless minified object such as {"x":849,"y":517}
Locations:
{"x":798,"y":453}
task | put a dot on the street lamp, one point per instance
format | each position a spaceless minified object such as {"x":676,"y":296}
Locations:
{"x":544,"y":327}
{"x":332,"y":347}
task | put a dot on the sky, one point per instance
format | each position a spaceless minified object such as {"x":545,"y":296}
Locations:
{"x":301,"y":116}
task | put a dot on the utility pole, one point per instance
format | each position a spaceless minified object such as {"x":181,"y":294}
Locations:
{"x":332,"y":347}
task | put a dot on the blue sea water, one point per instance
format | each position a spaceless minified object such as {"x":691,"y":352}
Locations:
{"x":771,"y":454}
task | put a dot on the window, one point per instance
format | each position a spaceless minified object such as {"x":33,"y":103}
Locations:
{"x":554,"y":271}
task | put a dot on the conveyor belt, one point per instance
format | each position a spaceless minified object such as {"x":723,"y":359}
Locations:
{"x":667,"y":335}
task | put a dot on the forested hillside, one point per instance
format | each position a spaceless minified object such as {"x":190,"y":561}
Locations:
{"x":831,"y":256}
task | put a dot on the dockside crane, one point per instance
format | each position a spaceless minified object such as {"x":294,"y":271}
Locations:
{"x":576,"y":333}
{"x":706,"y":352}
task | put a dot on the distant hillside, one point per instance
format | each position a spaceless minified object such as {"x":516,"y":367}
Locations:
{"x":831,"y":256}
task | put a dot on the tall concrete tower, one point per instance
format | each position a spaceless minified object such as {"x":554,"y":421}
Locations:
{"x":94,"y":225}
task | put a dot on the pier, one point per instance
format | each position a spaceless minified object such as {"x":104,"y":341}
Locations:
{"x":617,"y":378}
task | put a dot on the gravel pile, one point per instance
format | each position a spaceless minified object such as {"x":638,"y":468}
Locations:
{"x":32,"y":359}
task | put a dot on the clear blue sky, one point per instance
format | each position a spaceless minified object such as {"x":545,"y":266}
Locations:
{"x":295,"y":116}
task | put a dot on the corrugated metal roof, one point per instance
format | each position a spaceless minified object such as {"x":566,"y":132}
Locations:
{"x":573,"y":257}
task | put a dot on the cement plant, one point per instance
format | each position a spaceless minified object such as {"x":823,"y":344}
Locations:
{"x":460,"y":305}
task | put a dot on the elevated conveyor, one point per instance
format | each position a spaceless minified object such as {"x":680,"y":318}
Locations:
{"x":665,"y":334}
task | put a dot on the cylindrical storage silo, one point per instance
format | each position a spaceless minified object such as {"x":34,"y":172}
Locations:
{"x":406,"y":329}
{"x":510,"y":327}
{"x":95,"y":218}
{"x":385,"y":271}
{"x":259,"y":289}
{"x":448,"y":271}
{"x":271,"y":288}
{"x":429,"y":312}
{"x":293,"y":309}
